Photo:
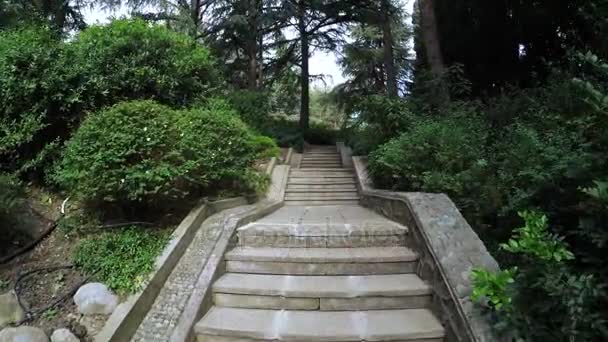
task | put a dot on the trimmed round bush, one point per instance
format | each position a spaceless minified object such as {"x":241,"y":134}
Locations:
{"x":145,"y":152}
{"x":125,"y":153}
{"x":131,"y":59}
{"x":215,"y":142}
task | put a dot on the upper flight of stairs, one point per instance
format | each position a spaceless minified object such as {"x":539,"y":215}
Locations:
{"x":294,"y":277}
{"x":321,"y":179}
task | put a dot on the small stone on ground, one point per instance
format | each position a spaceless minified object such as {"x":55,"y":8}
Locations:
{"x":23,"y":334}
{"x":95,"y":298}
{"x":63,"y":335}
{"x":10,"y":310}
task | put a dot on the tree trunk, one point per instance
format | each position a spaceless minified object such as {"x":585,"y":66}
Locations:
{"x":387,"y":43}
{"x":195,"y":15}
{"x":304,"y":76}
{"x":260,"y":5}
{"x":252,"y":45}
{"x":430,"y":36}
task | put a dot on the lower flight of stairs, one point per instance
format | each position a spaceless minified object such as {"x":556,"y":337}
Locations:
{"x":320,"y":282}
{"x":321,"y":180}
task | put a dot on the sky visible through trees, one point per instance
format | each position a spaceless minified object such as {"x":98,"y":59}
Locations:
{"x":321,"y":63}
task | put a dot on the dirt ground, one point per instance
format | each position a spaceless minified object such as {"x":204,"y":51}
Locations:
{"x":47,"y":284}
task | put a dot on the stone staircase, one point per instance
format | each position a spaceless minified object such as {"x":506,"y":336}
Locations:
{"x":321,"y":273}
{"x":321,"y":179}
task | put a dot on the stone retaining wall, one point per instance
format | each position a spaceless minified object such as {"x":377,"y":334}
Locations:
{"x":449,"y":249}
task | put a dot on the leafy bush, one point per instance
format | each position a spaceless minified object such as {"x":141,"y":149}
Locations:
{"x":127,"y":153}
{"x":285,"y":132}
{"x":143,"y":152}
{"x":130,"y":59}
{"x":47,"y":85}
{"x":252,"y":106}
{"x":435,"y":155}
{"x":319,"y":133}
{"x":40,"y":90}
{"x":531,"y":165}
{"x":121,"y":259}
{"x":374,"y":120}
{"x":216,"y":145}
{"x":542,"y":298}
{"x":265,"y":147}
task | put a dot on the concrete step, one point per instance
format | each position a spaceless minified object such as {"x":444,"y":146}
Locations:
{"x":326,"y":293}
{"x":365,"y":234}
{"x":316,"y":165}
{"x":238,"y":324}
{"x":319,"y":196}
{"x":320,"y":203}
{"x":325,"y":174}
{"x":320,"y":180}
{"x":321,"y":261}
{"x":326,"y":169}
{"x":322,"y":160}
{"x":304,"y":167}
{"x":320,"y":188}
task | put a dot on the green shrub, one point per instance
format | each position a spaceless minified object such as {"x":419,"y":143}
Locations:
{"x":121,"y":259}
{"x":532,"y":164}
{"x":319,"y":133}
{"x":265,"y":147}
{"x":131,"y":59}
{"x":146,"y":153}
{"x":126,"y":153}
{"x":438,"y":155}
{"x":216,"y":145}
{"x":41,"y":93}
{"x":285,"y":132}
{"x":252,"y":106}
{"x":542,"y":298}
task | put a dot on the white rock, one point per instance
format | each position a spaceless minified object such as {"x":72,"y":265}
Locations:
{"x":23,"y":334}
{"x":95,"y":298}
{"x":10,"y":310}
{"x":63,"y":335}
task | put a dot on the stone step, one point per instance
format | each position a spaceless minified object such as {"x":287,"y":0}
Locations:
{"x":321,"y":203}
{"x":304,"y":167}
{"x":300,"y":196}
{"x":322,"y":160}
{"x":321,"y":261}
{"x":299,"y":181}
{"x":325,"y":293}
{"x":239,"y":324}
{"x":319,"y":161}
{"x":326,"y":169}
{"x":320,"y":180}
{"x":320,"y":188}
{"x":319,"y":165}
{"x":320,"y":153}
{"x":365,"y":234}
{"x":324,"y":174}
{"x":323,"y":255}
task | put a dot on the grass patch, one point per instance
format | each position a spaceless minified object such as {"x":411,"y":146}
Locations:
{"x":121,"y":259}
